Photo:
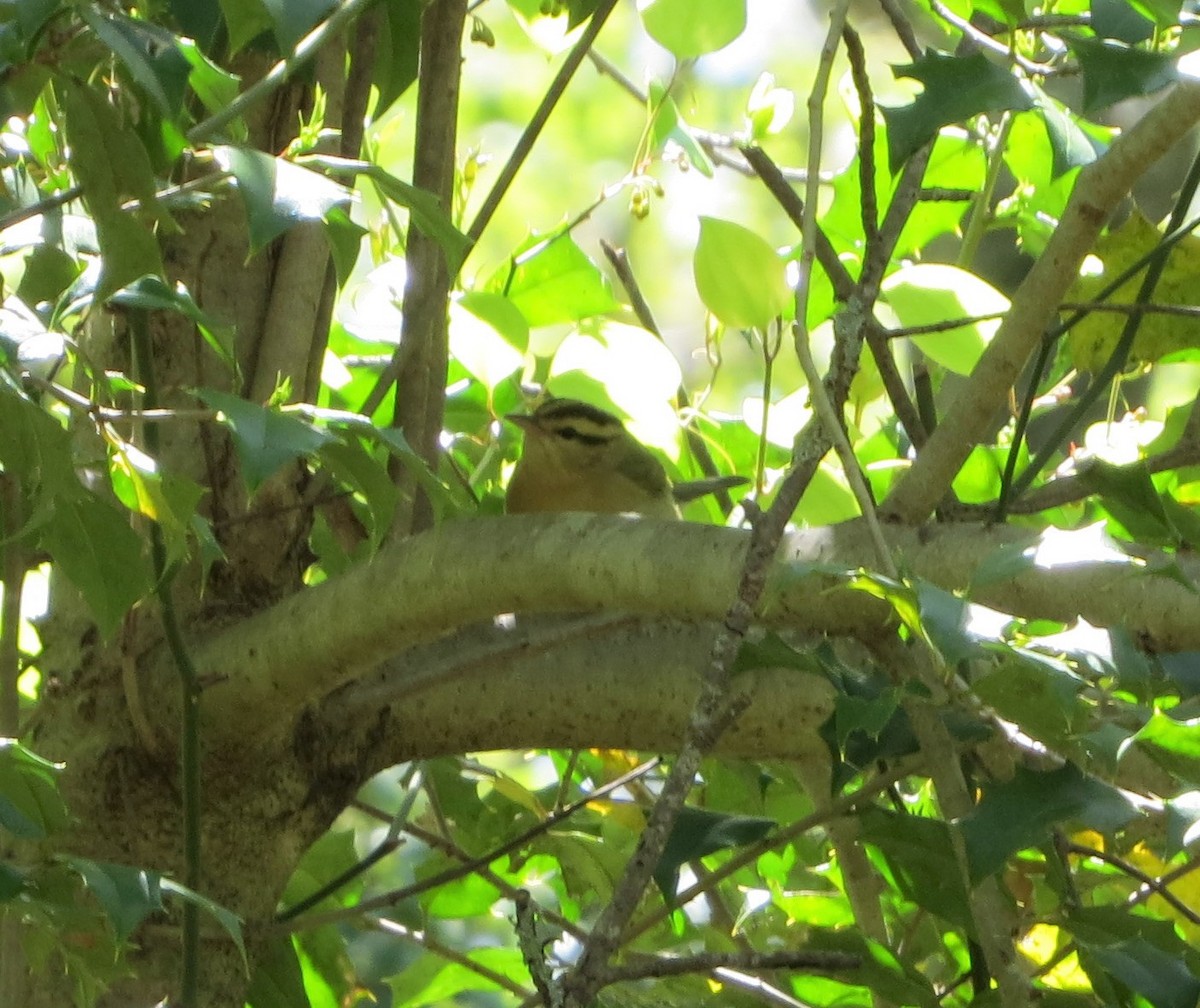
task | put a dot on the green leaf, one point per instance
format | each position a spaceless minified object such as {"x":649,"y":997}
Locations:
{"x":35,"y":447}
{"x":345,"y":457}
{"x":345,"y":241}
{"x":699,"y":832}
{"x":277,"y":981}
{"x":30,"y":805}
{"x":920,"y":857}
{"x":551,"y":280}
{"x":148,"y":52}
{"x":229,"y":921}
{"x":266,"y":439}
{"x":691,"y":28}
{"x":278,"y":194}
{"x":957,"y":88}
{"x":396,"y":50}
{"x":291,"y":20}
{"x":668,"y":125}
{"x":424,"y":209}
{"x":1114,"y":72}
{"x":932,"y":292}
{"x":112,"y":165}
{"x":1172,"y":744}
{"x":154,"y":294}
{"x":1120,"y":20}
{"x":739,"y":277}
{"x":215,"y":86}
{"x":1038,"y":693}
{"x":102,"y":556}
{"x":882,"y":970}
{"x":1138,"y":953}
{"x":245,"y":20}
{"x":1017,"y":814}
{"x":127,"y":895}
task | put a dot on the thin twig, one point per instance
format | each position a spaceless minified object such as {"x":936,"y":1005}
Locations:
{"x":538,"y":120}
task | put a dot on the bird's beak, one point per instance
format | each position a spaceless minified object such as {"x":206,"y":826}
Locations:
{"x":522,"y":420}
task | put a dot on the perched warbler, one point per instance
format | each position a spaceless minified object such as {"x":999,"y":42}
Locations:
{"x":578,"y":457}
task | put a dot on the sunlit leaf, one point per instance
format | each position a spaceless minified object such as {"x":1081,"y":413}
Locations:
{"x":740,"y":278}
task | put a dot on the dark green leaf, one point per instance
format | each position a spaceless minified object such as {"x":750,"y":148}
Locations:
{"x":229,"y":921}
{"x":151,"y":293}
{"x":266,"y":439}
{"x":127,"y":895}
{"x":1017,"y":814}
{"x":944,"y":617}
{"x":246,"y":20}
{"x":1138,"y":953}
{"x":345,"y":240}
{"x":112,"y":165}
{"x":291,"y":20}
{"x":12,"y":882}
{"x":1038,"y":693}
{"x":919,"y":854}
{"x":278,"y":194}
{"x":1183,"y":669}
{"x":1071,"y":146}
{"x":102,"y":556}
{"x":1003,"y":564}
{"x":1113,"y":72}
{"x":1133,"y":667}
{"x":396,"y":52}
{"x":699,"y":832}
{"x":198,"y":19}
{"x":1120,"y":20}
{"x":1129,"y":495}
{"x":957,"y":88}
{"x":148,"y":52}
{"x":30,"y":805}
{"x":34,"y":447}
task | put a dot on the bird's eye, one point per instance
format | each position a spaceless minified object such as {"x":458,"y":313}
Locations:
{"x":568,"y":433}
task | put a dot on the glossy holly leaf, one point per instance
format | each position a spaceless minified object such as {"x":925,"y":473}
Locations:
{"x":550,"y":279}
{"x":266,"y":439}
{"x":230,"y":922}
{"x":112,"y":165}
{"x":127,"y":895}
{"x":215,"y":86}
{"x":1125,"y":952}
{"x":1037,"y":692}
{"x":93,"y":544}
{"x":1120,"y":20}
{"x":957,"y":88}
{"x":919,"y":854}
{"x":739,"y":277}
{"x":30,"y":806}
{"x":152,"y":293}
{"x":691,"y":28}
{"x":148,"y":52}
{"x":699,"y":832}
{"x":1070,"y":146}
{"x":1017,"y":814}
{"x":278,"y":194}
{"x":1113,"y":72}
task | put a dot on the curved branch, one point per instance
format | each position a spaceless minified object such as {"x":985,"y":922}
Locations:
{"x":421,"y":589}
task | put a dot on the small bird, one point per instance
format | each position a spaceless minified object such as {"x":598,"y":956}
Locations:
{"x":578,"y":457}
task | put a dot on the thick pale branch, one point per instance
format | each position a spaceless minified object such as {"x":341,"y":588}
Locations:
{"x":267,"y":668}
{"x":1101,"y":185}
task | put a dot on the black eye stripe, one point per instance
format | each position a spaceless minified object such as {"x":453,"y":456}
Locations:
{"x":569,"y":433}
